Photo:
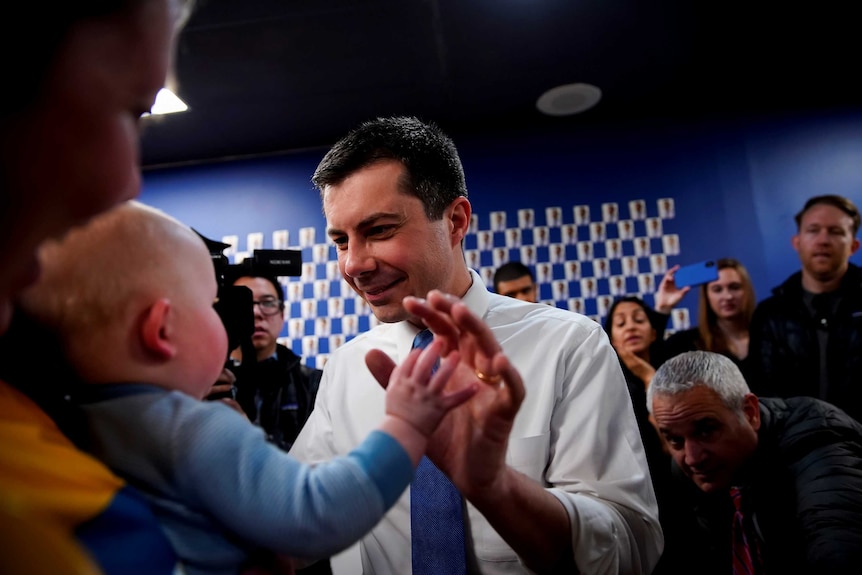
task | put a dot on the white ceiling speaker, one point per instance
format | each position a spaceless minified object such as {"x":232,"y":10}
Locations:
{"x":569,"y":99}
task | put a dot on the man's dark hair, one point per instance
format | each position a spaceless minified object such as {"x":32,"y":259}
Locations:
{"x":279,"y":289}
{"x":836,"y":201}
{"x":511,"y":271}
{"x":433,"y":171}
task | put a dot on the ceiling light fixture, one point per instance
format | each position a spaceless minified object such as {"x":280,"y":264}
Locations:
{"x":569,"y":99}
{"x":167,"y":103}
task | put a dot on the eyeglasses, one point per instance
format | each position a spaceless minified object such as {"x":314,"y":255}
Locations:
{"x":268,"y":306}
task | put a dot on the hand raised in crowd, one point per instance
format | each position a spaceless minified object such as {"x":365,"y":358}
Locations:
{"x":470,"y":444}
{"x":668,"y":295}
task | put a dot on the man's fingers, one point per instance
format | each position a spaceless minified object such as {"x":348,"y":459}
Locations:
{"x":439,"y":323}
{"x":512,"y":380}
{"x":226,"y":377}
{"x":221,"y":388}
{"x":467,"y":321}
{"x":380,"y":365}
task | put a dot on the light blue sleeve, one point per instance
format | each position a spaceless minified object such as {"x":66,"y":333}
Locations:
{"x":268,"y":498}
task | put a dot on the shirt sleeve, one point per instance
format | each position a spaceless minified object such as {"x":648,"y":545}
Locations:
{"x":598,"y":469}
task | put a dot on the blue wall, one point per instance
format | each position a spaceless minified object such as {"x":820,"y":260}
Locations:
{"x":736,"y":186}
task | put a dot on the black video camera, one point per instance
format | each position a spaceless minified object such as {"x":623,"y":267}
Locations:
{"x":235,"y":303}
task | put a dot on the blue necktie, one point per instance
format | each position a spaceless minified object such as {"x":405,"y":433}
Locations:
{"x":436,"y":514}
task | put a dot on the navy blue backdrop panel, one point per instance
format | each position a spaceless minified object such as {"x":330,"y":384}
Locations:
{"x":595,"y":212}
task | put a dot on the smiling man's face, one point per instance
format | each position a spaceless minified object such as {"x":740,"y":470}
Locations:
{"x":387,"y":247}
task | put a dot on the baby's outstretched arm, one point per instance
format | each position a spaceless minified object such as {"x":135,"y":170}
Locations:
{"x":417,"y":398}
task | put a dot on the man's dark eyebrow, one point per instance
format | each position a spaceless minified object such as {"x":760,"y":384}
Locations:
{"x":366,"y":222}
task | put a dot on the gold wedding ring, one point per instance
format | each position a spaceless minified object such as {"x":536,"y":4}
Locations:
{"x":493,"y":379}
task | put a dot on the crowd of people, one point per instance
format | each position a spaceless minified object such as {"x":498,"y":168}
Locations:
{"x":440,"y":440}
{"x":731,"y":400}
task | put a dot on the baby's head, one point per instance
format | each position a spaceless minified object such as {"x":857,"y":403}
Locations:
{"x":130,"y":296}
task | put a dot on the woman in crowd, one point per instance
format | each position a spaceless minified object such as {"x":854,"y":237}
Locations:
{"x":84,"y":72}
{"x":724,"y":314}
{"x":635,"y":332}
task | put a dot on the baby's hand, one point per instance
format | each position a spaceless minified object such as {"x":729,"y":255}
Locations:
{"x":417,"y":396}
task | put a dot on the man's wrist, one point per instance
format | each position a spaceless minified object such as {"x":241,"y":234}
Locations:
{"x":486,"y":494}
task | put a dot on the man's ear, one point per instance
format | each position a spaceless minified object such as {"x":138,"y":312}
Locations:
{"x":157,"y":331}
{"x":751,"y":409}
{"x":794,"y":241}
{"x":459,"y":212}
{"x":854,"y":247}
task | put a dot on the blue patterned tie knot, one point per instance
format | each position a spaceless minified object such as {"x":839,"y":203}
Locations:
{"x":423,"y":339}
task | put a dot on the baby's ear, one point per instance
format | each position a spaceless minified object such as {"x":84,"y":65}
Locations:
{"x":157,"y":329}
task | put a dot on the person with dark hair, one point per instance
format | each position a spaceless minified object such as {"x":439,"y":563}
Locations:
{"x":564,"y":487}
{"x":69,"y":141}
{"x":806,"y":338}
{"x":767,"y":485}
{"x":632,"y":327}
{"x":637,"y":332}
{"x":275,"y":389}
{"x":514,"y":279}
{"x":725,"y":307}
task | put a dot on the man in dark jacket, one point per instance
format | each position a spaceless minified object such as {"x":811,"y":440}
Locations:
{"x":806,"y":339}
{"x":795,"y":467}
{"x":276,"y":390}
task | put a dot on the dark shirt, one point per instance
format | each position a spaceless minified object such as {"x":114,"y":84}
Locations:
{"x":278,"y":394}
{"x":803,"y":491}
{"x":799,"y":348}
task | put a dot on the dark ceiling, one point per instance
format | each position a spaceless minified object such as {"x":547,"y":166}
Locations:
{"x":264,"y":76}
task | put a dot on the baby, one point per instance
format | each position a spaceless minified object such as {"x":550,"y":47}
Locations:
{"x":131,"y":297}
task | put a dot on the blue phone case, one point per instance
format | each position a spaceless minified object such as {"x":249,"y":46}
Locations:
{"x":696,"y":274}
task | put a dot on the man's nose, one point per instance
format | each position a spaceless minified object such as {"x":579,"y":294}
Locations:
{"x":823,"y":236}
{"x":694,"y":453}
{"x":357,"y":259}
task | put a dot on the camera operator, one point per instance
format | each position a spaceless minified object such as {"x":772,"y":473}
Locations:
{"x":274,"y":389}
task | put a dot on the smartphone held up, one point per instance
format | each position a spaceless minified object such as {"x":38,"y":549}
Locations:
{"x":696,"y":274}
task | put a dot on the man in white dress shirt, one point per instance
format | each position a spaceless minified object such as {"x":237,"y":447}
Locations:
{"x":560,"y":485}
